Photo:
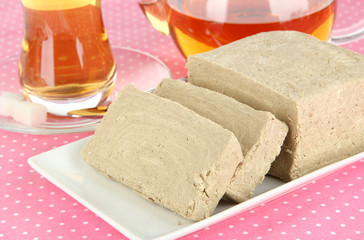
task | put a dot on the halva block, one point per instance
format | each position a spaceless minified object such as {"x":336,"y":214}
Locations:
{"x":165,"y":152}
{"x":260,"y":134}
{"x":315,"y":87}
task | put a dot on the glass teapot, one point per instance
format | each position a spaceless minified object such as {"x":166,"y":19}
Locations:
{"x":200,"y":26}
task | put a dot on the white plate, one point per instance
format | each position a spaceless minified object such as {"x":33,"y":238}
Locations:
{"x":136,"y":217}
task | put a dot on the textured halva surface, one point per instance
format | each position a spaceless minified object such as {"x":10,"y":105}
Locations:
{"x":259,"y":133}
{"x":315,"y":87}
{"x":165,"y":152}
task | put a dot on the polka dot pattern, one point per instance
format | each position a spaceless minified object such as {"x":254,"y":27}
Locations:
{"x":33,"y":208}
{"x":349,"y":13}
{"x":328,"y":208}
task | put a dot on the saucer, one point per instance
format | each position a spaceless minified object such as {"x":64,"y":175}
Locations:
{"x":135,"y":67}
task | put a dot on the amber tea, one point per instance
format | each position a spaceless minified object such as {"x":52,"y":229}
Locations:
{"x":66,"y":57}
{"x":199,"y":26}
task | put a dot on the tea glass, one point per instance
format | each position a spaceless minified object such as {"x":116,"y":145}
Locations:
{"x":200,"y":26}
{"x":67,"y":63}
{"x":66,"y":60}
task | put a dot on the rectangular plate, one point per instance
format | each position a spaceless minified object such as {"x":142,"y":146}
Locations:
{"x":136,"y":217}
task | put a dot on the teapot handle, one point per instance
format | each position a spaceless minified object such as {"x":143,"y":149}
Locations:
{"x":157,"y":14}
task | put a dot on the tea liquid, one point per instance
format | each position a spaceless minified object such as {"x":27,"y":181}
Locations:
{"x":199,"y":26}
{"x":65,"y":51}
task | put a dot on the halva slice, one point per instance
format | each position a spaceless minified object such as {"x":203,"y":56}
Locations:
{"x":260,"y":134}
{"x":165,"y":152}
{"x":315,"y":87}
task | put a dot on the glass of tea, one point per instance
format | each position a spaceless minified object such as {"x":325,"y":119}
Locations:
{"x":200,"y":26}
{"x":66,"y":60}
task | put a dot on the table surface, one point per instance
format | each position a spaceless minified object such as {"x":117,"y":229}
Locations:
{"x":33,"y":208}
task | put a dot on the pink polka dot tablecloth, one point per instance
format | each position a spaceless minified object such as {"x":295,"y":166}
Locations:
{"x":31,"y":207}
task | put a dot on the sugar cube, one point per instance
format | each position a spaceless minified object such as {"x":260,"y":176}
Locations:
{"x":7,"y":102}
{"x":29,"y":113}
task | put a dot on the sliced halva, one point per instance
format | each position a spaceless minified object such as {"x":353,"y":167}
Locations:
{"x":259,"y":133}
{"x":315,"y":87}
{"x":165,"y":152}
